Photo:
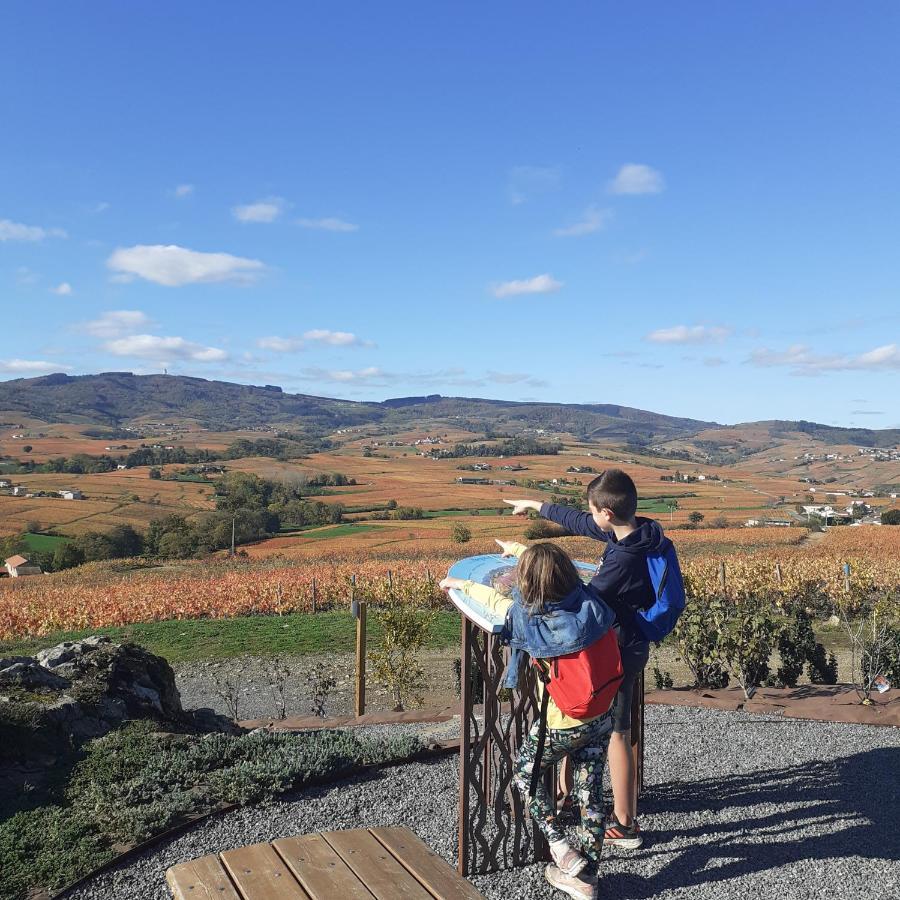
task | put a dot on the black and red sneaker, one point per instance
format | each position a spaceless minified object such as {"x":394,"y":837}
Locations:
{"x":627,"y":837}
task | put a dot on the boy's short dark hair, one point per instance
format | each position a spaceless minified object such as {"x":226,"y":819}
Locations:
{"x":613,"y":489}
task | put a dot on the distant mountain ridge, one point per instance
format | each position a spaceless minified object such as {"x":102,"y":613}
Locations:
{"x":115,"y":398}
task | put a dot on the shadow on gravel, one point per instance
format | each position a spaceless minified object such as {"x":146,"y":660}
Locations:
{"x":829,"y":810}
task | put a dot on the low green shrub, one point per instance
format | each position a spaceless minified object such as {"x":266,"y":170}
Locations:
{"x":134,"y":783}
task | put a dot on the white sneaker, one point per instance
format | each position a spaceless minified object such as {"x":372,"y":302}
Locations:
{"x":567,"y":859}
{"x":579,"y":888}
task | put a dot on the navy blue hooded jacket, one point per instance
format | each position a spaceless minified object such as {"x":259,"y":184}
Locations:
{"x":622,"y":579}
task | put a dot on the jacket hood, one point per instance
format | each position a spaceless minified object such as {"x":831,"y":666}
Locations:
{"x":648,"y":538}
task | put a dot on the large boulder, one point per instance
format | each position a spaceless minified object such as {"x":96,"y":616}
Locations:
{"x":79,"y":690}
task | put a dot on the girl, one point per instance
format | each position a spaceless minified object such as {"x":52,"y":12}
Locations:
{"x":554,"y":616}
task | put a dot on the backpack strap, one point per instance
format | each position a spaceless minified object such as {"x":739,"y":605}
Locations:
{"x":542,"y":734}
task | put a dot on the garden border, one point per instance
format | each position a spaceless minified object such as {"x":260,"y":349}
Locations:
{"x":429,"y":751}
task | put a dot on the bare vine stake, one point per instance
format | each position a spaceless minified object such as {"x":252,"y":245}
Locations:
{"x":847,"y":577}
{"x":722,"y":575}
{"x":778,"y":572}
{"x":314,"y":594}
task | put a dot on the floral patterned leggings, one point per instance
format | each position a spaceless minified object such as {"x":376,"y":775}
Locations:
{"x":587,"y":745}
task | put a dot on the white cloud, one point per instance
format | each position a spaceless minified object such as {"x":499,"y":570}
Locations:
{"x":688,"y":334}
{"x":116,"y":323}
{"x":540,"y":284}
{"x":63,"y":289}
{"x":803,"y":361}
{"x":335,"y":338}
{"x":15,"y":231}
{"x":174,"y":266}
{"x":635,"y":178}
{"x":280,"y":344}
{"x":328,"y":224}
{"x":101,"y":207}
{"x":593,"y":220}
{"x":155,"y":347}
{"x":183,"y":190}
{"x":267,"y":210}
{"x":31,"y":366}
{"x":515,"y":378}
{"x":527,"y":180}
{"x":368,"y":375}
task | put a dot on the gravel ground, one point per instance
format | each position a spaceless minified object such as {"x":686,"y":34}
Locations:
{"x":737,"y":806}
{"x":202,"y":683}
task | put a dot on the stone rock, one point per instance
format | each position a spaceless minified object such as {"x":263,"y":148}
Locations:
{"x":70,"y":652}
{"x":27,"y":673}
{"x":87,"y":688}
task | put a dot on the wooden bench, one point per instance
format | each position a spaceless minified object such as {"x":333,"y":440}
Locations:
{"x":358,"y":864}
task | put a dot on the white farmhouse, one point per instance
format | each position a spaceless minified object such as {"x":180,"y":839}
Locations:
{"x":17,"y":566}
{"x":71,"y":495}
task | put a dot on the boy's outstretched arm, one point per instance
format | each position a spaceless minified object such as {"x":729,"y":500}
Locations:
{"x":580,"y":523}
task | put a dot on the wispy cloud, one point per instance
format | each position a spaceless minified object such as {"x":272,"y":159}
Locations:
{"x":713,"y":361}
{"x":16,"y":231}
{"x":524,"y":181}
{"x":182,"y":190}
{"x":515,"y":378}
{"x":101,"y":207}
{"x":803,"y":361}
{"x":280,"y":344}
{"x":116,"y":323}
{"x":174,"y":266}
{"x":369,"y":375}
{"x":163,"y":349}
{"x":267,"y":210}
{"x":592,"y":220}
{"x":540,"y":284}
{"x":688,"y":334}
{"x":31,"y":366}
{"x":636,"y":178}
{"x":328,"y":224}
{"x":335,"y":338}
{"x":316,"y":336}
{"x":63,"y":289}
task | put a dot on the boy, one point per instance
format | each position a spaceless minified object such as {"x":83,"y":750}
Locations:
{"x":623,"y":582}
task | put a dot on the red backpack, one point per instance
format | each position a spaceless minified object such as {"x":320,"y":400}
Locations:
{"x":582,"y":684}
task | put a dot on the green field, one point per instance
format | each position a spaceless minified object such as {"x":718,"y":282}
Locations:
{"x":43,"y":542}
{"x":185,"y":640}
{"x":333,"y":531}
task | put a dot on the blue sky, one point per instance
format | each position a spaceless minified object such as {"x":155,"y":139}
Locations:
{"x":689,"y":208}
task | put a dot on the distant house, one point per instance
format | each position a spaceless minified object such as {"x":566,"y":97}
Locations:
{"x":19,"y":491}
{"x":17,"y":566}
{"x":71,"y":495}
{"x":121,"y":466}
{"x":5,"y":483}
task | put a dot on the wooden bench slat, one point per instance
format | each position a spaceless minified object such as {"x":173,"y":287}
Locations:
{"x":375,"y":866}
{"x":201,"y":879}
{"x":316,"y":865}
{"x":259,"y":872}
{"x":414,"y":855}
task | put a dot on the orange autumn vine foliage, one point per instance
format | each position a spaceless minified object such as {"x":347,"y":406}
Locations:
{"x":122,"y":593}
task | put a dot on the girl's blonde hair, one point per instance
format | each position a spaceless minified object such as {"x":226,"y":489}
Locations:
{"x":546,"y":574}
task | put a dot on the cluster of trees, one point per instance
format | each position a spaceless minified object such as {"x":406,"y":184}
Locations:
{"x":401,"y":513}
{"x":118,"y":543}
{"x":254,"y":507}
{"x":515,"y":446}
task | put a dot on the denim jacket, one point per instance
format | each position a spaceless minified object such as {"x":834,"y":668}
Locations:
{"x":566,"y":626}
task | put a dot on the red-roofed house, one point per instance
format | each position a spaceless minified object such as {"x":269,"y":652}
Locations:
{"x":18,"y":566}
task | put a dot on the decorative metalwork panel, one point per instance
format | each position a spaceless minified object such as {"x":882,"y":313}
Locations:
{"x":495,"y":831}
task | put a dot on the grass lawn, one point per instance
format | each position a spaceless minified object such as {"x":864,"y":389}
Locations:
{"x":41,"y":542}
{"x":185,"y":640}
{"x":333,"y":531}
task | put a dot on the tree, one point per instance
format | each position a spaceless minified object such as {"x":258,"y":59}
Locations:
{"x":890,"y":517}
{"x":27,"y":448}
{"x":33,"y":527}
{"x":696,"y":517}
{"x":155,"y":473}
{"x":459,"y":533}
